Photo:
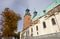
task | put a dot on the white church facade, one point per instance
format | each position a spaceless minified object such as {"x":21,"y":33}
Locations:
{"x":49,"y":23}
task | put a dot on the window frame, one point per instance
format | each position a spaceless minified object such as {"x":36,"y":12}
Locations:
{"x":44,"y":24}
{"x":36,"y":28}
{"x":53,"y":21}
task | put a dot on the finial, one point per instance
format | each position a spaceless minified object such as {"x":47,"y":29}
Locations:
{"x":27,"y":10}
{"x":35,"y":13}
{"x":44,"y":11}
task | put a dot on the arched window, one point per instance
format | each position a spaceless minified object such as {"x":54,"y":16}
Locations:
{"x":44,"y":25}
{"x":37,"y":28}
{"x":53,"y":21}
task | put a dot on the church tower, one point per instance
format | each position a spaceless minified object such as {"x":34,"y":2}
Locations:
{"x":27,"y":19}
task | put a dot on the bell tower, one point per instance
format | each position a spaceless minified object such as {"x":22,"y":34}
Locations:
{"x":27,"y":19}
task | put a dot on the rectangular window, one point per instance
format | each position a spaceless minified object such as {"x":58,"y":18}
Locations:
{"x":37,"y":33}
{"x":44,"y":25}
{"x":31,"y":29}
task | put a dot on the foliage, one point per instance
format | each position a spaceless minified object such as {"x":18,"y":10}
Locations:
{"x":10,"y":22}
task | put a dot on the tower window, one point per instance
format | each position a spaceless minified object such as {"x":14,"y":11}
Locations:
{"x":37,"y":28}
{"x":53,"y":21}
{"x":44,"y":25}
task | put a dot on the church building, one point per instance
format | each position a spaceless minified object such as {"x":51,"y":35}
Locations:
{"x":47,"y":25}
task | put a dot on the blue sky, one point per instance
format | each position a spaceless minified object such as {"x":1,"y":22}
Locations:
{"x":19,"y":6}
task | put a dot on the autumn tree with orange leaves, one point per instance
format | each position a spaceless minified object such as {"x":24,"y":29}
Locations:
{"x":10,"y":22}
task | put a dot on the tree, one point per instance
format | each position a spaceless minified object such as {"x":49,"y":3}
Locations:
{"x":17,"y":35}
{"x":10,"y":22}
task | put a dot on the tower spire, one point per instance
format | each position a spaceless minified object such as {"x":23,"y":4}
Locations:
{"x":27,"y":12}
{"x":27,"y":19}
{"x":35,"y":13}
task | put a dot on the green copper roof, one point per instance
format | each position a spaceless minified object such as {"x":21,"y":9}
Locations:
{"x":51,"y":6}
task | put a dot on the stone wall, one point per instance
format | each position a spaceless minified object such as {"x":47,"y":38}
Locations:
{"x":49,"y":36}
